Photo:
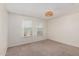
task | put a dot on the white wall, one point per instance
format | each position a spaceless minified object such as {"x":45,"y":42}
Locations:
{"x":3,"y":29}
{"x":16,"y":31}
{"x":65,"y":29}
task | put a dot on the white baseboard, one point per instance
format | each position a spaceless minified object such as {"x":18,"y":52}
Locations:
{"x":67,"y":43}
{"x":23,"y":42}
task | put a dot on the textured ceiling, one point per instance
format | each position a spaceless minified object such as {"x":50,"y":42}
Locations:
{"x":38,"y":9}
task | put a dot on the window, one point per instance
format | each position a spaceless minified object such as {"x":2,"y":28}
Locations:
{"x":27,"y":28}
{"x":40,"y":28}
{"x":36,"y":29}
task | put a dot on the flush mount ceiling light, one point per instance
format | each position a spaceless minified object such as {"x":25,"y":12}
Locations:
{"x":49,"y":13}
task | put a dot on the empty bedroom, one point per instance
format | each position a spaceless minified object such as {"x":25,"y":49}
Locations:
{"x":39,"y":29}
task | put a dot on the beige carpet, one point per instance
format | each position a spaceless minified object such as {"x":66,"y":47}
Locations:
{"x":43,"y":48}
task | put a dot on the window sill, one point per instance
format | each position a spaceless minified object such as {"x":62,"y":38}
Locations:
{"x":27,"y":36}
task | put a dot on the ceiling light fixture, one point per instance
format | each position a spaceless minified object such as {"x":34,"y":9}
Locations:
{"x":49,"y":13}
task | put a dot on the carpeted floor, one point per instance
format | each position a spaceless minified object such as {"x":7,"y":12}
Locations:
{"x":43,"y":48}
